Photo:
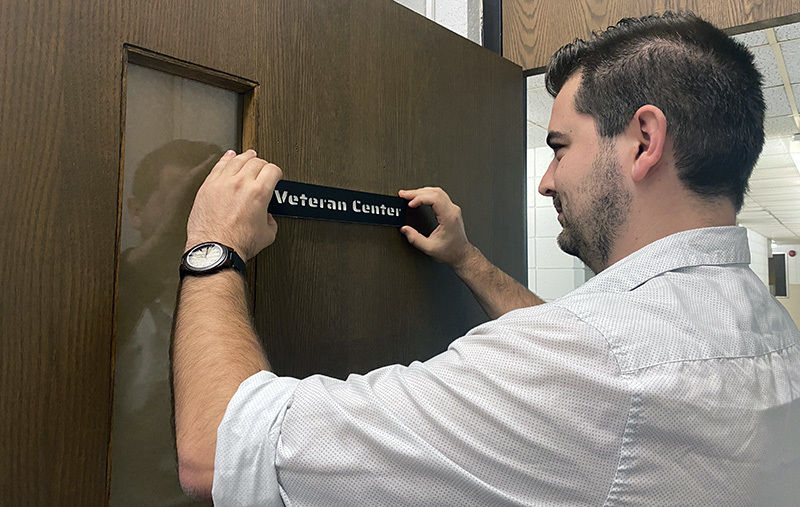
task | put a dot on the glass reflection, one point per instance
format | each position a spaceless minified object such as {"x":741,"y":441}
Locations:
{"x":158,"y":196}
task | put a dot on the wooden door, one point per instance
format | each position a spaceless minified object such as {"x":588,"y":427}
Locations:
{"x":358,"y":94}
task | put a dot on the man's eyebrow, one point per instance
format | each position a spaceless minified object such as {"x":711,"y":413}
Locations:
{"x":553,"y":138}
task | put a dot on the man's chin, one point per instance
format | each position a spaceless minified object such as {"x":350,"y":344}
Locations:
{"x":567,"y":244}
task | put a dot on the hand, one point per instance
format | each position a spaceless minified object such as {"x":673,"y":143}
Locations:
{"x":231,"y":205}
{"x":448,"y":242}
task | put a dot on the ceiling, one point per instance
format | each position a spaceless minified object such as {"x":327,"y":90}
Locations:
{"x":772,"y":206}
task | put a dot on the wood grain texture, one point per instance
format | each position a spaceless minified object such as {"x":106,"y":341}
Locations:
{"x":58,"y":205}
{"x":356,"y":93}
{"x":396,"y":103}
{"x":534,"y":29}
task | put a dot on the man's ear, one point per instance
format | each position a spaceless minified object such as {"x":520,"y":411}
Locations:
{"x":135,"y":212}
{"x":649,"y":128}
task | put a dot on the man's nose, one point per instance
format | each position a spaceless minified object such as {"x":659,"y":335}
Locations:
{"x":547,"y":185}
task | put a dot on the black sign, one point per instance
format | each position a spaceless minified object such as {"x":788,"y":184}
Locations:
{"x":304,"y":200}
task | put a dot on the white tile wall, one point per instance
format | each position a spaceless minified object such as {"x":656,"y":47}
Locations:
{"x":536,"y":134}
{"x":554,"y":283}
{"x":547,"y":222}
{"x":549,"y":255}
{"x":759,"y":253}
{"x":551,"y":272}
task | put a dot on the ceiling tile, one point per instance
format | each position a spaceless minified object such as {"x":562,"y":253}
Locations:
{"x":778,"y":202}
{"x":535,"y":81}
{"x":770,"y":231}
{"x":777,"y":103}
{"x":761,"y":184}
{"x":765,"y":61}
{"x":749,"y":202}
{"x":787,"y":32}
{"x":791,"y":56}
{"x":777,"y":207}
{"x":540,"y":103}
{"x":779,"y":126}
{"x":750,"y":39}
{"x":796,"y":93}
{"x":759,"y":194}
{"x":775,"y":166}
{"x":776,"y":145}
{"x":754,"y":214}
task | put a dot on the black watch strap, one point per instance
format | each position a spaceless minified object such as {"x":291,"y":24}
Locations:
{"x":237,"y":263}
{"x":230,"y":260}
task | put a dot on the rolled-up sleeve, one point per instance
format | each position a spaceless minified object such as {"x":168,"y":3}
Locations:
{"x":524,"y":409}
{"x":244,"y":462}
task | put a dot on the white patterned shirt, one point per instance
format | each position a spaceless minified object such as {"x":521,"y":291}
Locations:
{"x":670,"y":378}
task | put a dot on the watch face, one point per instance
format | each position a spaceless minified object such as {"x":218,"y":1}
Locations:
{"x":205,"y":256}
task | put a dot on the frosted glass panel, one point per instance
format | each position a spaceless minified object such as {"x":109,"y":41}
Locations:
{"x":175,"y":130}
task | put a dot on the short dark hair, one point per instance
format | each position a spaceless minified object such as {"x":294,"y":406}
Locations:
{"x":179,"y":152}
{"x":704,"y":81}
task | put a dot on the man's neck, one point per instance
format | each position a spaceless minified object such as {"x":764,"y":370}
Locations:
{"x":645,"y":227}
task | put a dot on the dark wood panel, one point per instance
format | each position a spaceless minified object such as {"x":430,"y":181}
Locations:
{"x":393,"y":103}
{"x":58,"y":206}
{"x":534,"y":29}
{"x":356,"y":93}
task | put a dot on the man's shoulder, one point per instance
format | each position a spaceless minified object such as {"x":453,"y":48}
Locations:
{"x":692,"y":313}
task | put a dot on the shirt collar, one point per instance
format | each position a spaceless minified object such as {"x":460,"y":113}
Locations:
{"x":696,"y":247}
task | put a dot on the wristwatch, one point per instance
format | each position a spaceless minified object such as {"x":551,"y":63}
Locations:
{"x":211,"y":257}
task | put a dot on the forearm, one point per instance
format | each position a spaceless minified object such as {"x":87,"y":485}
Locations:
{"x":496,"y":292}
{"x":214,"y":350}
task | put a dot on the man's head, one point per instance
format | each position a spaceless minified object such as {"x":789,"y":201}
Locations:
{"x":646,"y":100}
{"x":164,"y":184}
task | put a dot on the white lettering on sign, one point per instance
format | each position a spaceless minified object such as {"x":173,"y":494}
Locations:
{"x":374,"y":209}
{"x":311,"y":202}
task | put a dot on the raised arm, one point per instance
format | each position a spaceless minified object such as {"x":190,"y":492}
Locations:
{"x":496,"y":292}
{"x":214,"y":346}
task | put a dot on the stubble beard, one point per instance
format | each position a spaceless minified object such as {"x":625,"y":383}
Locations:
{"x":590,"y":234}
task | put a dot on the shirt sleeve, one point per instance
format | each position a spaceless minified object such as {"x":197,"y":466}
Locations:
{"x":528,"y":408}
{"x":244,"y":461}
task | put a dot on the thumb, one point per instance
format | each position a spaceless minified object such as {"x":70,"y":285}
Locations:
{"x":414,"y":237}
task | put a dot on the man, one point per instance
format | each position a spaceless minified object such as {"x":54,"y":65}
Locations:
{"x":672,"y":377}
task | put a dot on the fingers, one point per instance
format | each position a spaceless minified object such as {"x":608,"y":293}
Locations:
{"x":270,"y":175}
{"x":249,"y":165}
{"x":415,"y":238}
{"x":253,"y":167}
{"x":223,"y":161}
{"x":434,"y":196}
{"x":233,"y":164}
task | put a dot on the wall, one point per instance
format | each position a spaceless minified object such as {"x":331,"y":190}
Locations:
{"x":551,"y":272}
{"x":461,"y":16}
{"x":759,"y":253}
{"x":792,"y":303}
